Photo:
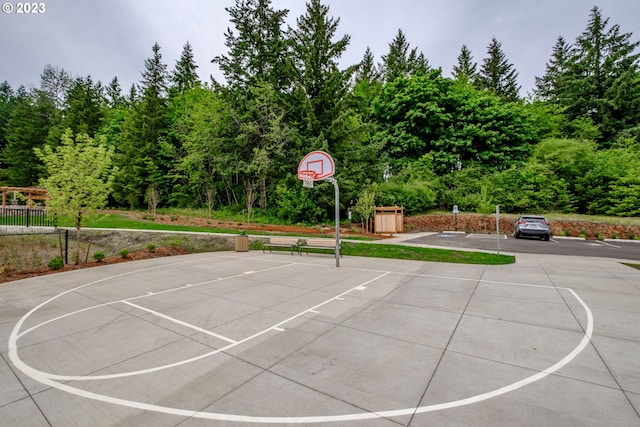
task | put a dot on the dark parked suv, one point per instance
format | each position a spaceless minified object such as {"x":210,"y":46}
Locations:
{"x":532,"y":225}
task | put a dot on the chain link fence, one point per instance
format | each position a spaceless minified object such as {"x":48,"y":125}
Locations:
{"x":23,"y":249}
{"x":27,"y":250}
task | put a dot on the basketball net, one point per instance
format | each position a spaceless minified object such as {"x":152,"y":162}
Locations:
{"x":307,"y":178}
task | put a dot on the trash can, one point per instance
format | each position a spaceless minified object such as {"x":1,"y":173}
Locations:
{"x":242,"y":243}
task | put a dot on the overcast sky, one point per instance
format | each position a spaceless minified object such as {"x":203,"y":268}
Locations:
{"x":107,"y":38}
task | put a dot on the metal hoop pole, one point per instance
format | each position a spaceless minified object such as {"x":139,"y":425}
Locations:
{"x":337,"y":215}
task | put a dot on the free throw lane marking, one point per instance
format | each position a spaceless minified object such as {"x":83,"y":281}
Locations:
{"x":180,"y":322}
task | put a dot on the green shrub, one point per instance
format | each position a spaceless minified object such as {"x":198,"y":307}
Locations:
{"x":56,"y":263}
{"x":415,"y":197}
{"x":124,"y":253}
{"x":98,"y":256}
{"x":151,"y":247}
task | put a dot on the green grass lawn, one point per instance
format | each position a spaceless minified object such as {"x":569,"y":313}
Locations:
{"x":424,"y":254}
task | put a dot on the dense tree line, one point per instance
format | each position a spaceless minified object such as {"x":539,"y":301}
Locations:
{"x":400,"y":131}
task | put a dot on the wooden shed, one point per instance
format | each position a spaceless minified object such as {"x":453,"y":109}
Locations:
{"x":389,"y":220}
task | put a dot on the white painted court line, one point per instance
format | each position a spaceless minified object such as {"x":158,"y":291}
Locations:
{"x":180,"y":322}
{"x":277,"y":327}
{"x":145,"y":295}
{"x":48,"y":379}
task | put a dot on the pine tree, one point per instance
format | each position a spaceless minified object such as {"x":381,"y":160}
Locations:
{"x":367,"y":69}
{"x":84,"y":110}
{"x":259,"y":49}
{"x":602,"y":82}
{"x":497,"y":74}
{"x":132,"y":98}
{"x":26,"y":129}
{"x":114,"y":94}
{"x":154,"y":76}
{"x":549,"y":86}
{"x":401,"y":60}
{"x":466,"y":70}
{"x":316,"y":57}
{"x":328,"y":113}
{"x":143,"y":157}
{"x":7,"y":104}
{"x":367,"y":83}
{"x":185,"y":76}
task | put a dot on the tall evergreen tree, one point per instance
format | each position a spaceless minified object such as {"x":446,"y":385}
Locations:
{"x":330,"y":119}
{"x":133,"y":96}
{"x":402,"y":60}
{"x":184,"y":75}
{"x":114,"y":94}
{"x":466,"y":70}
{"x":497,"y":74}
{"x":549,"y":87}
{"x":143,"y":157}
{"x":84,"y":109}
{"x":154,"y":77}
{"x":367,"y":69}
{"x":602,"y":81}
{"x":316,"y":57}
{"x":7,"y":104}
{"x":26,"y":129}
{"x":368,"y":83}
{"x":259,"y":49}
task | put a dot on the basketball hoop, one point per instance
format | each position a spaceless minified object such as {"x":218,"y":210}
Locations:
{"x":315,"y":166}
{"x":307,"y":178}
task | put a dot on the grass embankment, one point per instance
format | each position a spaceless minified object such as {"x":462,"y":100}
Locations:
{"x":119,"y":221}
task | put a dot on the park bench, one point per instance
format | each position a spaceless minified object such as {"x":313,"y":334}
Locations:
{"x":292,"y":243}
{"x":329,"y":244}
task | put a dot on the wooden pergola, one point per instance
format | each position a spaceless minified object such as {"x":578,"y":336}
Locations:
{"x":31,"y":193}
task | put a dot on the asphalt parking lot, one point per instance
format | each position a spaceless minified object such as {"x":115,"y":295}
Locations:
{"x":621,"y":249}
{"x":238,"y":339}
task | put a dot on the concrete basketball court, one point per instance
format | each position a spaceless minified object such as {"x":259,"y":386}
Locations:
{"x":237,"y":339}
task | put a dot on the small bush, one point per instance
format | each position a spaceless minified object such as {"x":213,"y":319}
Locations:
{"x":56,"y":263}
{"x":124,"y":253}
{"x":151,"y":247}
{"x":98,"y":256}
{"x":565,"y":233}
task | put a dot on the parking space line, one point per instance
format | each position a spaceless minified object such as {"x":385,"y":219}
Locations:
{"x":608,"y":244}
{"x":483,"y":236}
